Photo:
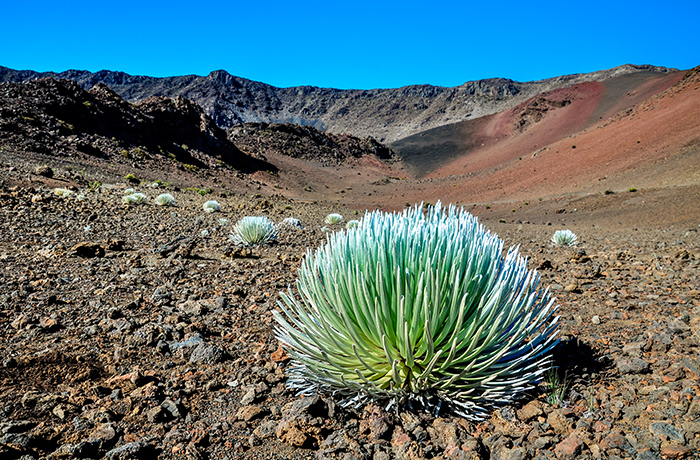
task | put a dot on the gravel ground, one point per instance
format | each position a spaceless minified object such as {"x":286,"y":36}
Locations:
{"x":127,"y":333}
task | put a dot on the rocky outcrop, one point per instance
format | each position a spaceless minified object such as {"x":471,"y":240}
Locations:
{"x":59,"y":118}
{"x":305,"y":142}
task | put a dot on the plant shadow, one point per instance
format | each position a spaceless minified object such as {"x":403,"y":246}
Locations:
{"x":576,"y":365}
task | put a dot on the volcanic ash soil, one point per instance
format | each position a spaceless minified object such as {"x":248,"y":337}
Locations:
{"x":128,"y":332}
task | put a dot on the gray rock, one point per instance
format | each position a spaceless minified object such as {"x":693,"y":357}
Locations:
{"x":632,"y":366}
{"x":19,"y":439}
{"x":85,"y":449}
{"x":192,"y":308}
{"x":666,"y":429}
{"x":44,"y":171}
{"x":266,"y":429}
{"x":131,"y":451}
{"x":161,"y":295}
{"x":191,"y":342}
{"x":21,"y":426}
{"x":174,"y":409}
{"x":105,"y":433}
{"x":156,"y":415}
{"x":207,"y":354}
{"x":647,"y":455}
{"x":248,"y":397}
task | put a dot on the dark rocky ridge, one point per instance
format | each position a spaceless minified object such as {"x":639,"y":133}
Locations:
{"x":58,"y":117}
{"x":305,"y":142}
{"x":385,"y":114}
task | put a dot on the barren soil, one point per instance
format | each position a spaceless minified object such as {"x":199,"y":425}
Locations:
{"x":126,"y":333}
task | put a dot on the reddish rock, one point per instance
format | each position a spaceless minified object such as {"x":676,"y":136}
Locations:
{"x":280,"y":355}
{"x":676,"y":451}
{"x":570,"y":447}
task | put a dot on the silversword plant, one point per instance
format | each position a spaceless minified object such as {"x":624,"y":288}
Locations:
{"x":417,"y":309}
{"x":352,"y":224}
{"x":563,"y":238}
{"x":211,"y":206}
{"x":165,"y":199}
{"x":333,"y":219}
{"x":253,"y":230}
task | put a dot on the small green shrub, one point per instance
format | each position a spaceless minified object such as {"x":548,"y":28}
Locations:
{"x":165,"y":199}
{"x":608,"y":192}
{"x":252,"y":231}
{"x":420,"y":309}
{"x":556,"y":387}
{"x":131,"y":179}
{"x":633,"y":189}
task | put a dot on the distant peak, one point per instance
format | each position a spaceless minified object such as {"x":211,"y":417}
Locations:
{"x":219,"y":75}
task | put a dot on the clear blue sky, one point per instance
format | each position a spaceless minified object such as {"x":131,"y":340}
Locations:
{"x":351,"y":44}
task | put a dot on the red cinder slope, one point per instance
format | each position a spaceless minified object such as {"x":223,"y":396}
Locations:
{"x":549,"y":146}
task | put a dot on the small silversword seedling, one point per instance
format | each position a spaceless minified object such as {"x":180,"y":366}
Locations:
{"x":333,"y":219}
{"x":165,"y":199}
{"x":253,"y":230}
{"x":211,"y":206}
{"x":564,"y":238}
{"x":129,"y":199}
{"x":223,"y":222}
{"x":418,"y":309}
{"x":352,"y":224}
{"x":140,"y":197}
{"x":62,"y":192}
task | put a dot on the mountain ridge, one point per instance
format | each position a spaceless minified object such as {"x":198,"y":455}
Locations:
{"x":387,"y":114}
